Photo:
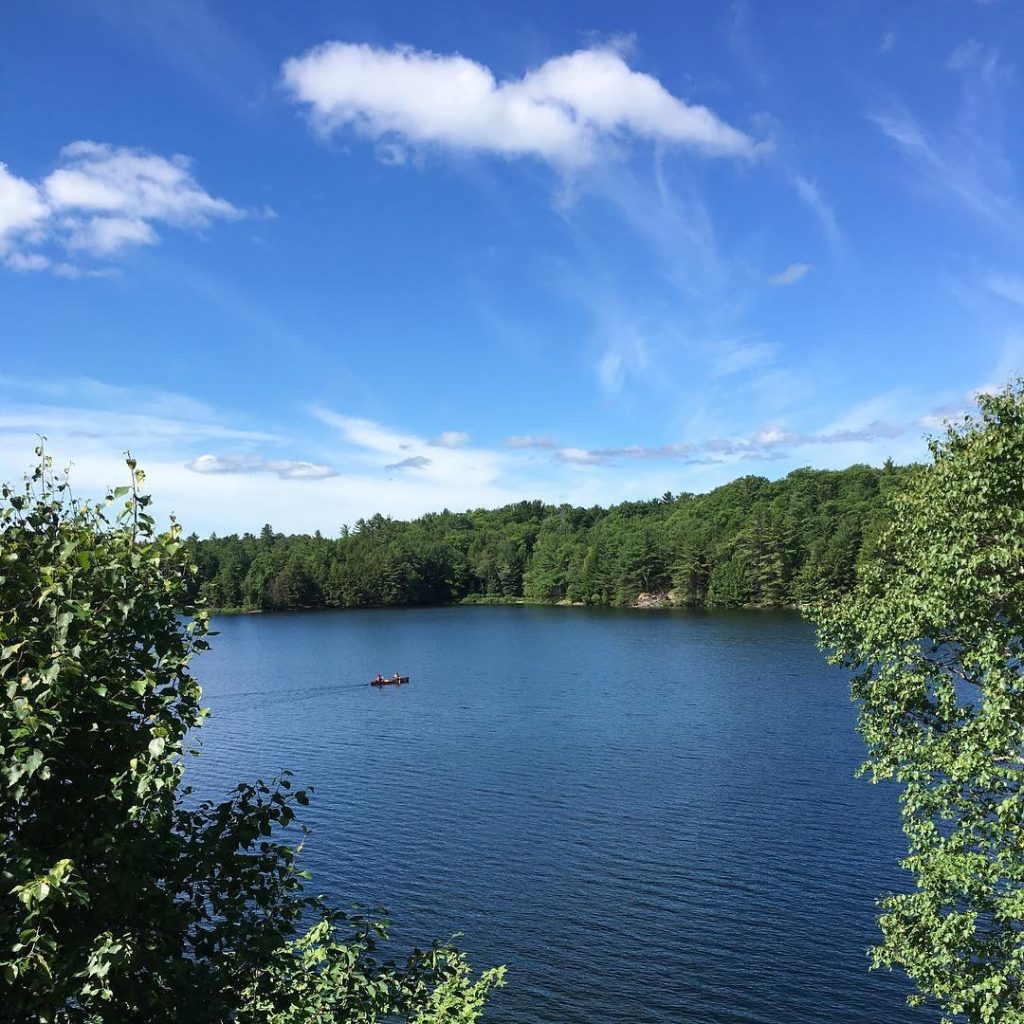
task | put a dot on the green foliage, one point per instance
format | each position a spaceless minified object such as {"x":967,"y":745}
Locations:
{"x":752,"y":542}
{"x":934,"y":631}
{"x":120,"y":897}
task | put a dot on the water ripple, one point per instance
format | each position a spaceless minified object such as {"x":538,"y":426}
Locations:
{"x":648,"y":818}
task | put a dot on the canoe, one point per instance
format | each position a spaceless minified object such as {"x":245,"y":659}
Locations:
{"x":390,"y":681}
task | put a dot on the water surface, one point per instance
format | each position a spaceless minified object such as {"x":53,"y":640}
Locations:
{"x":648,"y":816}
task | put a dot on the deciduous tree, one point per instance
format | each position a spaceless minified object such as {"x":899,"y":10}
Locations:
{"x":934,"y":631}
{"x":122,"y":899}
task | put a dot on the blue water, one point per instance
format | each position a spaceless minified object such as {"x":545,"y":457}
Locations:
{"x":648,"y":816}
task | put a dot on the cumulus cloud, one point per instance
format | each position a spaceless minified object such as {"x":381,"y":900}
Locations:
{"x":580,"y":456}
{"x":567,"y":112}
{"x":27,"y":262}
{"x":791,"y":274}
{"x":285,"y":469}
{"x":22,"y":210}
{"x":100,"y":200}
{"x":105,"y":236}
{"x":449,"y":439}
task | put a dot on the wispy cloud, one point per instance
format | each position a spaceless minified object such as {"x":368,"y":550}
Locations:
{"x":33,"y":262}
{"x":793,"y":273}
{"x":90,"y":393}
{"x":625,"y":354}
{"x":98,"y":202}
{"x":569,"y":111}
{"x":810,"y":193}
{"x":1007,"y":286}
{"x":888,"y":43}
{"x":947,"y":168}
{"x":120,"y":428}
{"x":220,"y":475}
{"x":964,"y":161}
{"x":197,"y":40}
{"x":965,"y":55}
{"x":377,"y":447}
{"x":731,"y":356}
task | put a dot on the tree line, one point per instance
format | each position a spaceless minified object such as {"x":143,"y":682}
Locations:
{"x":751,"y":542}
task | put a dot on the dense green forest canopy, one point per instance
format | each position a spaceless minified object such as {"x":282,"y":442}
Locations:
{"x":751,"y":542}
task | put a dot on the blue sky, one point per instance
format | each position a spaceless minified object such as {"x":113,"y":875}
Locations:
{"x":312,"y":261}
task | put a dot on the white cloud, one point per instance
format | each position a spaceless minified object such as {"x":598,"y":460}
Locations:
{"x":27,"y":261}
{"x":118,"y":181}
{"x":100,"y":200}
{"x":568,"y":111}
{"x":791,"y":274}
{"x":376,"y":448}
{"x":772,"y":434}
{"x":580,"y":456}
{"x":104,"y":236}
{"x":286,"y":469}
{"x":22,"y":210}
{"x":449,"y":439}
{"x":888,"y":42}
{"x":529,"y":441}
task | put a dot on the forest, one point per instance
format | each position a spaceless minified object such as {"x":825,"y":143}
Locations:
{"x":750,"y":543}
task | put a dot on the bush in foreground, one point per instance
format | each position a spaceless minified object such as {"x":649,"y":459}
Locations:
{"x":120,"y":900}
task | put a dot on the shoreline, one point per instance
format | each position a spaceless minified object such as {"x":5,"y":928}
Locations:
{"x":513,"y":601}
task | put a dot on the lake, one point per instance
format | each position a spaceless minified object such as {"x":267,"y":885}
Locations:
{"x":648,"y":816}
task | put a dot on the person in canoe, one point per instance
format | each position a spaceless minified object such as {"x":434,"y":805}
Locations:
{"x":379,"y":681}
